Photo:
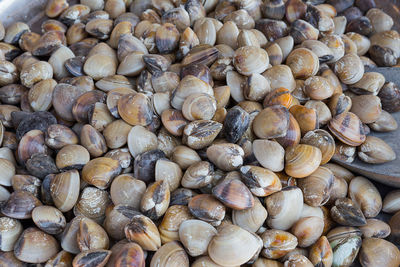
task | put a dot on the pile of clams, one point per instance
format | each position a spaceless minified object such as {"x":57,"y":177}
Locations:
{"x":197,"y":133}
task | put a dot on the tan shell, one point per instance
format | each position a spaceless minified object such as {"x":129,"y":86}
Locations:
{"x":195,"y":236}
{"x":348,"y":128}
{"x":366,"y":195}
{"x":302,"y":160}
{"x":226,"y":248}
{"x":303,"y":62}
{"x":250,"y":59}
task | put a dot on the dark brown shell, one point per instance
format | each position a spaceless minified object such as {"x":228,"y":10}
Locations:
{"x":390,"y":97}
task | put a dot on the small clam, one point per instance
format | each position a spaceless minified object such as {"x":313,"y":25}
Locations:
{"x":135,"y":109}
{"x":170,"y":254}
{"x":201,"y":133}
{"x":321,"y":252}
{"x":91,"y":235}
{"x":375,"y":228}
{"x":295,"y":9}
{"x":272,"y":29}
{"x":301,"y":30}
{"x":227,"y":157}
{"x":169,"y":226}
{"x":250,"y":59}
{"x":184,"y":156}
{"x":35,"y":246}
{"x":347,"y":127}
{"x":390,"y":202}
{"x":225,"y":248}
{"x":384,"y":123}
{"x":302,"y":160}
{"x":143,"y":231}
{"x":90,"y":257}
{"x":198,"y":175}
{"x":280,"y":76}
{"x":271,"y":122}
{"x":380,"y":21}
{"x":269,"y":154}
{"x":376,"y":251}
{"x":125,"y":185}
{"x":293,"y":134}
{"x":365,"y":194}
{"x":116,"y":134}
{"x":205,"y":207}
{"x":307,"y":118}
{"x":261,"y":182}
{"x":10,"y":230}
{"x":195,"y":236}
{"x":100,"y":171}
{"x":317,"y":187}
{"x":145,"y":163}
{"x":36,"y":72}
{"x":345,"y":243}
{"x":234,"y":194}
{"x":296,"y":61}
{"x":339,"y":103}
{"x":199,"y":107}
{"x":323,"y":140}
{"x":374,"y":150}
{"x":284,"y":207}
{"x":277,"y":243}
{"x":155,"y":200}
{"x":236,"y":123}
{"x":346,"y":212}
{"x":55,"y":7}
{"x":250,"y":219}
{"x":366,"y":107}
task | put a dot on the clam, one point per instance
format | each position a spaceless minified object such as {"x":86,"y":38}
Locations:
{"x":280,"y":76}
{"x":236,"y":122}
{"x":308,"y":230}
{"x":169,"y":226}
{"x":345,"y":243}
{"x":301,"y":30}
{"x":116,"y":220}
{"x":380,"y":21}
{"x":269,"y":154}
{"x":225,"y":248}
{"x":317,"y":187}
{"x":125,"y":185}
{"x":144,"y":164}
{"x":261,"y":182}
{"x":306,"y":117}
{"x":199,"y":107}
{"x":271,"y":122}
{"x":198,"y":175}
{"x":250,"y":219}
{"x":277,"y":243}
{"x":375,"y":228}
{"x":64,"y":189}
{"x":366,"y":107}
{"x":234,"y":194}
{"x":321,"y":252}
{"x":187,"y":86}
{"x":347,"y":128}
{"x":91,"y":236}
{"x":302,"y":160}
{"x":143,"y":231}
{"x":284,"y":208}
{"x":365,"y":194}
{"x":236,"y":83}
{"x":170,"y":254}
{"x":184,"y":156}
{"x":169,"y":171}
{"x":384,"y":123}
{"x":100,"y":171}
{"x":205,"y":207}
{"x":155,"y":200}
{"x":390,"y":202}
{"x":375,"y":150}
{"x":347,"y":212}
{"x":323,"y":140}
{"x":296,"y":61}
{"x":92,"y":203}
{"x":35,"y":246}
{"x":99,"y":256}
{"x":272,"y":29}
{"x":250,"y":59}
{"x":201,"y":133}
{"x":10,"y":230}
{"x":195,"y":236}
{"x":49,"y":219}
{"x":378,"y":251}
{"x":226,"y":156}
